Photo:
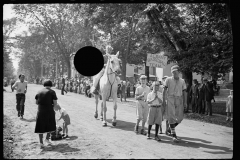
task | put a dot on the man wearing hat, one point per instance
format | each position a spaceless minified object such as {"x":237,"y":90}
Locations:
{"x":141,"y":104}
{"x":194,"y":96}
{"x":154,"y":99}
{"x":175,"y":89}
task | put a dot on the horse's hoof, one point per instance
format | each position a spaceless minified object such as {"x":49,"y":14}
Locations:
{"x":96,"y":115}
{"x":104,"y":124}
{"x":114,"y":123}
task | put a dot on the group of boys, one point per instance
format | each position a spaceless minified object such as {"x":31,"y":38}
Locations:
{"x":152,"y":106}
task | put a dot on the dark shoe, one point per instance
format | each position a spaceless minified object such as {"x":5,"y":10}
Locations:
{"x":157,"y":138}
{"x":18,"y":114}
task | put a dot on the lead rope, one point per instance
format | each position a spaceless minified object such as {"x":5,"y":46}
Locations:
{"x":111,"y":84}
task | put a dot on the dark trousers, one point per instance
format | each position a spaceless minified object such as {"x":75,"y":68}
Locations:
{"x":201,"y":106}
{"x":128,"y":92}
{"x":134,"y":89}
{"x":63,"y":89}
{"x":194,"y":104}
{"x":20,"y":103}
{"x":208,"y":107}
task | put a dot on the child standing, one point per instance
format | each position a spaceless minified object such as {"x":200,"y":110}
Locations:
{"x":154,"y":99}
{"x":65,"y":117}
{"x":229,"y":106}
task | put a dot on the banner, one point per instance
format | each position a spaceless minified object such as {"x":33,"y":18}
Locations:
{"x":156,"y":60}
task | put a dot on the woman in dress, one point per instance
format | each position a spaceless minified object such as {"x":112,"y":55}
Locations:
{"x":46,"y":99}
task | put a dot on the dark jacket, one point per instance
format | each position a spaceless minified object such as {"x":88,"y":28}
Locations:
{"x":193,"y":92}
{"x":208,"y":91}
{"x":201,"y":92}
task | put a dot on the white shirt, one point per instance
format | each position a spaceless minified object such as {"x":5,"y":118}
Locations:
{"x":21,"y":86}
{"x":152,"y":95}
{"x":140,"y":90}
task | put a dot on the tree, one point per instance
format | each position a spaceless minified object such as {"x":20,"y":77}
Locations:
{"x":8,"y":28}
{"x":195,"y":32}
{"x":64,"y":25}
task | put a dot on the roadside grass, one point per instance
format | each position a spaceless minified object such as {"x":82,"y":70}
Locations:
{"x":7,"y":138}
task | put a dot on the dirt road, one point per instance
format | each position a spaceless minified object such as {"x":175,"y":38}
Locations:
{"x":88,"y":139}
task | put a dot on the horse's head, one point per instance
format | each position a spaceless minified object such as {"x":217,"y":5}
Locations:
{"x":114,"y":62}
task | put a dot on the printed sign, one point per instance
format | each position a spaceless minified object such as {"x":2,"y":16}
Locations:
{"x":156,"y":60}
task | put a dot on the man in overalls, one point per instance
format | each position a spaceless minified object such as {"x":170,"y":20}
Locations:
{"x":175,"y":88}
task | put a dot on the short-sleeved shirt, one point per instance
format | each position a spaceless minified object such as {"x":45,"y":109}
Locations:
{"x":152,"y":95}
{"x":140,"y":90}
{"x":175,"y":87}
{"x":45,"y":97}
{"x":21,"y":86}
{"x":63,"y":112}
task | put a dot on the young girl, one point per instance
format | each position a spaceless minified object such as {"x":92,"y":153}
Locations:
{"x":65,"y":117}
{"x":229,"y":106}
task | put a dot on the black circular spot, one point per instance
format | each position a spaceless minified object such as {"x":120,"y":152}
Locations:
{"x":88,"y":61}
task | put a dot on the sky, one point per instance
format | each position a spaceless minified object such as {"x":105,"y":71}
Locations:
{"x":7,"y":14}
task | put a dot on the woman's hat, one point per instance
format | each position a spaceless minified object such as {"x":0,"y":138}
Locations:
{"x":174,"y":68}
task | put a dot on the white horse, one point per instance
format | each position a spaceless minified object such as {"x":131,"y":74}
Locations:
{"x":108,"y":87}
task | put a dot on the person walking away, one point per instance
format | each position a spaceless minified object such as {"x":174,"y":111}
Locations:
{"x":128,"y":89}
{"x":141,"y":104}
{"x":134,"y":88}
{"x":123,"y":89}
{"x":229,"y":106}
{"x":21,"y":86}
{"x":12,"y":81}
{"x":175,"y":88}
{"x":46,"y":99}
{"x":63,"y":86}
{"x":154,"y":100}
{"x":119,"y":92}
{"x":201,"y":104}
{"x":193,"y":95}
{"x":66,"y":119}
{"x":208,"y":96}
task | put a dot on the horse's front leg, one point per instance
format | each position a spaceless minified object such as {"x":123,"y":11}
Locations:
{"x":114,"y":122}
{"x":104,"y":108}
{"x":102,"y":111}
{"x":96,"y":111}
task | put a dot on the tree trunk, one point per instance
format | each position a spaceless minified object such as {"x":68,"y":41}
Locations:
{"x":124,"y":66}
{"x":187,"y":76}
{"x":69,"y":69}
{"x":147,"y":71}
{"x":62,"y":69}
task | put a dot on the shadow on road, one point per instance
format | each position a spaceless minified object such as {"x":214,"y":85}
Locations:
{"x":127,"y":126}
{"x":194,"y":139}
{"x":63,"y":148}
{"x":28,"y":120}
{"x":224,"y":150}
